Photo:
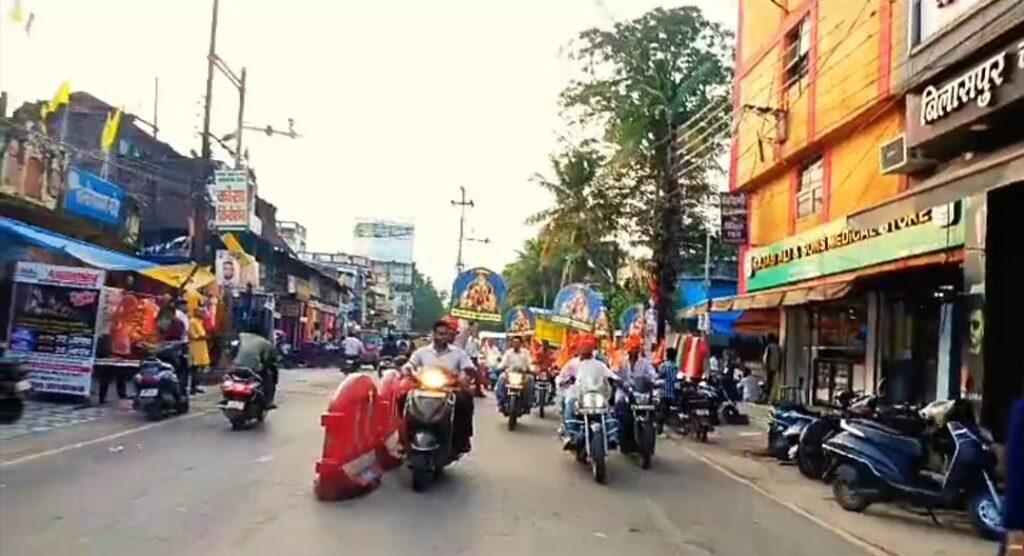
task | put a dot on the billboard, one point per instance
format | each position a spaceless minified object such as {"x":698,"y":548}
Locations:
{"x":230,"y":193}
{"x":53,"y":322}
{"x":577,"y":306}
{"x":520,"y":321}
{"x":478,"y":294}
{"x":382,"y":240}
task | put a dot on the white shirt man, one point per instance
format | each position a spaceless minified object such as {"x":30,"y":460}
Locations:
{"x":473,"y":347}
{"x":641,"y":367}
{"x":591,"y":376}
{"x":449,"y":358}
{"x":515,"y":359}
{"x":352,"y":346}
{"x":185,"y":324}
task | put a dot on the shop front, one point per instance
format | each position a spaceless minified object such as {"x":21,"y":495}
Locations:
{"x":965,"y":139}
{"x":859,"y":305}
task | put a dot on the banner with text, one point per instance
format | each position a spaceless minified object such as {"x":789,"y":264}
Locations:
{"x":231,"y":200}
{"x":53,"y":322}
{"x":478,"y":294}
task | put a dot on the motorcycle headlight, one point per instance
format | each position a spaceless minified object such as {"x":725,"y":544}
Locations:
{"x":433,"y":379}
{"x":593,"y":400}
{"x":642,"y":398}
{"x":515,"y":379}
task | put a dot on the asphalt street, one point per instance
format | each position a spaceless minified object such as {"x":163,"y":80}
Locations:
{"x":193,"y":486}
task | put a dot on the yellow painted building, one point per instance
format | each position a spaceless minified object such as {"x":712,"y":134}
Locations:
{"x":819,"y":118}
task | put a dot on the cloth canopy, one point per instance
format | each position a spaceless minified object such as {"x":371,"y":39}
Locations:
{"x":175,"y":275}
{"x":92,"y":255}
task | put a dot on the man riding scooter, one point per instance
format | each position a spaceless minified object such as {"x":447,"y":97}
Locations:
{"x":634,"y":366}
{"x":515,"y":357}
{"x":440,"y":353}
{"x":258,"y":354}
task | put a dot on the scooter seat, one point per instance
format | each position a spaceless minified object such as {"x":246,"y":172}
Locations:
{"x":887,"y":437}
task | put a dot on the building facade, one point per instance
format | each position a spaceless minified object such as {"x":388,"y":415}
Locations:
{"x":390,"y":246}
{"x":293,"y":233}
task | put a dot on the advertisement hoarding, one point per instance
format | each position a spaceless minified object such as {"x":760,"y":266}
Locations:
{"x":53,"y":323}
{"x":734,"y":218}
{"x":231,"y":200}
{"x":478,"y":294}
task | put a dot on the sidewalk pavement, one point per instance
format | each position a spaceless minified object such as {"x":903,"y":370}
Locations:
{"x":883,"y":528}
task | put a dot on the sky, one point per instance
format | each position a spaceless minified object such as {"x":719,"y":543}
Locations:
{"x":399,"y":102}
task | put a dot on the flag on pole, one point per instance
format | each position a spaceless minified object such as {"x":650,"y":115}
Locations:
{"x":62,"y":97}
{"x":109,"y":135}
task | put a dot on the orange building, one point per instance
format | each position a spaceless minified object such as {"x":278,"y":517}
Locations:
{"x":818,"y":115}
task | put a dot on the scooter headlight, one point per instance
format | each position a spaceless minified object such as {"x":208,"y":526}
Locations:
{"x":433,"y":379}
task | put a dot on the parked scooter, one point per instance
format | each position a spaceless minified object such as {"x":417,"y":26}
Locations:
{"x":785,"y":424}
{"x":160,"y":384}
{"x":429,"y":421}
{"x":14,"y":386}
{"x":244,"y":400}
{"x":876,"y":463}
{"x":516,"y":403}
{"x":642,"y":428}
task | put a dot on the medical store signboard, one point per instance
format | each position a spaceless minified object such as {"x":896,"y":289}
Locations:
{"x":53,"y":325}
{"x":839,"y":247}
{"x":231,"y":200}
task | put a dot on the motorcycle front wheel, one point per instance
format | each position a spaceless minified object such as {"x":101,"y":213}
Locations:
{"x":421,"y":473}
{"x":597,"y":456}
{"x":811,"y":465}
{"x":986,"y":515}
{"x":513,"y":411}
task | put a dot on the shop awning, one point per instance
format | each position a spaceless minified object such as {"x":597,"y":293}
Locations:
{"x":88,"y":253}
{"x":770,"y":299}
{"x":175,"y":275}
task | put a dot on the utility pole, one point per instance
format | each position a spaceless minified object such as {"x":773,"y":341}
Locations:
{"x":209,"y":83}
{"x":462,"y":203}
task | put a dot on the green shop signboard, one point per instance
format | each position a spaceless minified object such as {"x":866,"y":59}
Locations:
{"x":836,"y":247}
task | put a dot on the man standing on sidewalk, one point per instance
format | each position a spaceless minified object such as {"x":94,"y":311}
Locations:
{"x":772,"y":361}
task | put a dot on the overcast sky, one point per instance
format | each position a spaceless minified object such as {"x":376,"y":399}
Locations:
{"x":399,"y":101}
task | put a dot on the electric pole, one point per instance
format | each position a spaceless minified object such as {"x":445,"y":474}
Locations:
{"x":209,"y":83}
{"x":462,"y":203}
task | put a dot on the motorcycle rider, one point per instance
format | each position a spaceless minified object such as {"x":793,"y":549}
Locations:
{"x":257,"y":353}
{"x":515,"y":357}
{"x":590,"y":374}
{"x":633,"y":366}
{"x":441,"y":353}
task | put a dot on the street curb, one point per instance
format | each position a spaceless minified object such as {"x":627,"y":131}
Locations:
{"x":854,"y":539}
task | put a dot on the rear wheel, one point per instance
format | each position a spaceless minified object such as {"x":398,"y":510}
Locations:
{"x":154,"y":412}
{"x":237,"y":424}
{"x":11,"y":410}
{"x":847,"y":492}
{"x":597,"y":456}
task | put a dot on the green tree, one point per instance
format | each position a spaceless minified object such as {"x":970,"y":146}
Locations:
{"x":532,"y":278}
{"x":643,"y":79}
{"x":427,"y":304}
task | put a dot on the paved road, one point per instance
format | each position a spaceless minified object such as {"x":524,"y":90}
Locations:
{"x":193,"y":486}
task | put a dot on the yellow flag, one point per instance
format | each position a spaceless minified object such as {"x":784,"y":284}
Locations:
{"x":62,"y":97}
{"x":109,"y":134}
{"x":234,"y":246}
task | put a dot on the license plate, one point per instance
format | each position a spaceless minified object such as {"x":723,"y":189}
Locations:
{"x":148,"y":393}
{"x":702,"y":412}
{"x":235,"y":404}
{"x":22,"y":386}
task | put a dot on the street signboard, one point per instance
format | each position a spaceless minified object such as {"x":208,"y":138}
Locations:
{"x":231,"y":200}
{"x":734,"y":218}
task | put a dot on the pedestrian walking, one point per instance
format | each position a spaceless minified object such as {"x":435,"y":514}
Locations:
{"x":198,"y":350}
{"x":106,"y":373}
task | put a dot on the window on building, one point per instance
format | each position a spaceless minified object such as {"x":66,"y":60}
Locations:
{"x":797,"y":58}
{"x":810,"y":195}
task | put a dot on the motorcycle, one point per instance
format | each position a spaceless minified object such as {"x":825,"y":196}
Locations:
{"x":643,"y":414}
{"x":14,"y":386}
{"x":161,"y":382}
{"x":695,"y":410}
{"x":516,"y":403}
{"x":872,"y":463}
{"x":244,"y":400}
{"x":726,"y":412}
{"x":593,"y":433}
{"x":785,"y":424}
{"x":429,"y":421}
{"x":542,"y":393}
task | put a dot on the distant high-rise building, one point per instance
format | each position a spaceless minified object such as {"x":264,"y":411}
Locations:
{"x":390,"y":246}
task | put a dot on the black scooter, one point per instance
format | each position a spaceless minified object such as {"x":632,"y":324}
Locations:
{"x":429,"y":423}
{"x":875,"y":463}
{"x":160,"y":384}
{"x":14,"y":385}
{"x":640,"y":434}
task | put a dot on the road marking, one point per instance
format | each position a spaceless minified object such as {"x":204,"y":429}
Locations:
{"x":102,"y":439}
{"x":871,"y":548}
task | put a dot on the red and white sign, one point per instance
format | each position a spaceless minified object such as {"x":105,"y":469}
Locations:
{"x":231,"y":200}
{"x":39,"y":273}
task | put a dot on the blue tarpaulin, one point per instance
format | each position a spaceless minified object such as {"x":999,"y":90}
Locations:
{"x":692,"y":292}
{"x":88,"y":253}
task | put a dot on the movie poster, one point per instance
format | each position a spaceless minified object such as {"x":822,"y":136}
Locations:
{"x":577,"y":306}
{"x":53,"y":322}
{"x":478,"y":294}
{"x":520,"y":321}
